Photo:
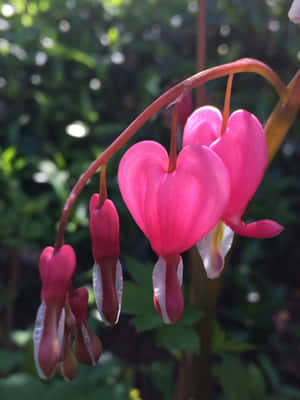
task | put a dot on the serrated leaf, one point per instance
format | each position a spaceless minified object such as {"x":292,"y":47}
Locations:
{"x":178,"y":338}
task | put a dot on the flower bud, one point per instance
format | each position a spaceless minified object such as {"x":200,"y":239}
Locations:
{"x":107,"y":274}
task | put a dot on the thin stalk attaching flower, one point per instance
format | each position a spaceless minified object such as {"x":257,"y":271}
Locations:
{"x":239,"y":66}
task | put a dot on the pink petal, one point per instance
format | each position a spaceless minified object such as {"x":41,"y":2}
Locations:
{"x":108,"y":287}
{"x":56,"y":271}
{"x":203,"y":126}
{"x":175,"y":209}
{"x":260,"y":229}
{"x":167,"y":295}
{"x":104,"y":228}
{"x":243,"y":150}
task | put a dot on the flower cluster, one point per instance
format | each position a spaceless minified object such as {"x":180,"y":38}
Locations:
{"x":62,"y":313}
{"x":198,"y":198}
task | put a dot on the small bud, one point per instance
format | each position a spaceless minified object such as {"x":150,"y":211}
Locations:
{"x":56,"y":271}
{"x":88,"y":346}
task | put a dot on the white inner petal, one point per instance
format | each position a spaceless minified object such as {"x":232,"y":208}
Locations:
{"x":119,"y":286}
{"x":227,"y":240}
{"x":98,"y":289}
{"x":37,"y":336}
{"x":159,"y":287}
{"x":60,"y":331}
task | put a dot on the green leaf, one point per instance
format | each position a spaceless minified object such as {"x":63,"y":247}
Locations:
{"x":178,"y":338}
{"x":257,"y":382}
{"x":220,"y":342}
{"x":234,"y":378}
{"x":147,"y":321}
{"x":9,"y":360}
{"x":142,"y":274}
{"x":270,"y":371}
{"x":136,"y":299}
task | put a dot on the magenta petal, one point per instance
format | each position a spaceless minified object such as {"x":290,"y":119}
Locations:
{"x":203,"y":126}
{"x":104,"y":228}
{"x":175,"y":209}
{"x":243,"y":150}
{"x":260,"y":229}
{"x":56,"y":270}
{"x":167,"y":295}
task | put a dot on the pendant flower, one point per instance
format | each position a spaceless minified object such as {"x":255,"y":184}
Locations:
{"x":107,"y":273}
{"x":243,"y":149}
{"x":88,"y":347}
{"x":56,"y":271}
{"x":173,"y":209}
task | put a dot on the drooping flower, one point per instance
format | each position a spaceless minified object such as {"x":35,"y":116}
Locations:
{"x":107,"y":273}
{"x":56,"y":270}
{"x":88,"y":346}
{"x":294,"y":12}
{"x":243,"y":149}
{"x":173,"y":209}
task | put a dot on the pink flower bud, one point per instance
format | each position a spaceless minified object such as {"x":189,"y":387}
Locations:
{"x":56,"y":271}
{"x":88,"y":346}
{"x":107,"y":274}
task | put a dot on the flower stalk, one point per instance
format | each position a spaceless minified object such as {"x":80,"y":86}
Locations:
{"x":239,"y":66}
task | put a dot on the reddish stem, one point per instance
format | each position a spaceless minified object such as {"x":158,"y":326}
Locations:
{"x":201,"y":49}
{"x":102,"y":186}
{"x":173,"y":144}
{"x":242,"y":65}
{"x":226,"y":110}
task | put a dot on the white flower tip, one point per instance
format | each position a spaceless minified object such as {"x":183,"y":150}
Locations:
{"x":294,"y":13}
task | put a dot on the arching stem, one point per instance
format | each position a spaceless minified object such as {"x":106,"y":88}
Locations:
{"x":242,"y":65}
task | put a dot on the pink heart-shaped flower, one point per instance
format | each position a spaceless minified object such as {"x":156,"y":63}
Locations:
{"x":173,"y":209}
{"x":243,"y":149}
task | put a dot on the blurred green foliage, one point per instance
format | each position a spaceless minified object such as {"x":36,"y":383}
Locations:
{"x":73,"y":74}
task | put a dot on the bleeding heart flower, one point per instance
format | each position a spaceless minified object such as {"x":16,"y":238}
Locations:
{"x":243,"y":149}
{"x":56,"y":271}
{"x":173,"y":209}
{"x":107,"y":273}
